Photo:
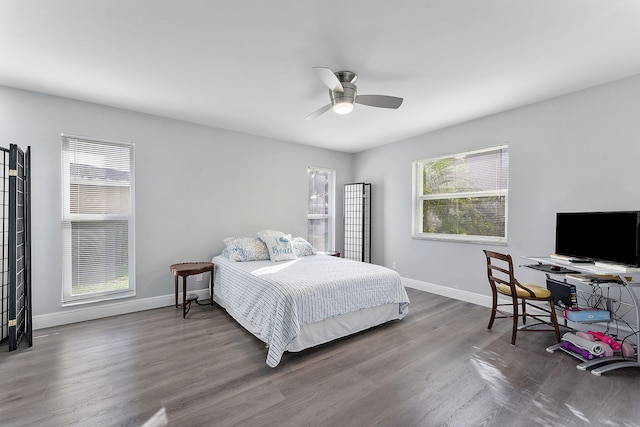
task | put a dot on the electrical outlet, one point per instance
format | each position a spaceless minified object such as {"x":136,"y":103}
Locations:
{"x":393,"y":265}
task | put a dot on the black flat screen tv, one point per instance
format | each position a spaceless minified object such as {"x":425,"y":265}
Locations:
{"x":609,"y":237}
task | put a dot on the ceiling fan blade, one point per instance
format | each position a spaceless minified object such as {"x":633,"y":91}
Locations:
{"x":382,"y":101}
{"x":329,"y":78}
{"x":318,"y":112}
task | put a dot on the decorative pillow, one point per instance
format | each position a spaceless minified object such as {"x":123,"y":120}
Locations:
{"x":302,"y":248}
{"x":278,"y":244}
{"x":245,"y":249}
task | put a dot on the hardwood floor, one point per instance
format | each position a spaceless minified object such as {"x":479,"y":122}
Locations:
{"x":437,"y":367}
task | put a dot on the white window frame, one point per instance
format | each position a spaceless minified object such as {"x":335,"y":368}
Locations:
{"x":419,"y":197}
{"x":330,"y":215}
{"x":68,"y":218}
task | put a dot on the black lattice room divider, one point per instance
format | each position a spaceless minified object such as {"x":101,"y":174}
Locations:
{"x":4,"y":294}
{"x":16,"y":313}
{"x":357,"y":221}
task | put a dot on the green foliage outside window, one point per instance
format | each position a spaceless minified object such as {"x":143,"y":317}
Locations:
{"x":464,"y":195}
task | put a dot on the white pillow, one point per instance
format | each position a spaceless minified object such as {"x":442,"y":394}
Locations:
{"x":302,"y":248}
{"x":245,"y":249}
{"x":278,"y":244}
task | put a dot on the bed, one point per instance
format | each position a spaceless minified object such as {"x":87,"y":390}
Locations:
{"x":308,"y":300}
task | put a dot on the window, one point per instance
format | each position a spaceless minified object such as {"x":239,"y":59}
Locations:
{"x":320,"y":211}
{"x":97,"y":220}
{"x":462,"y":196}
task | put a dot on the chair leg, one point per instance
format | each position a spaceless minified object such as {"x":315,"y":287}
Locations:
{"x":524,"y":312}
{"x":515,"y":322}
{"x":554,"y":319}
{"x":493,"y":310}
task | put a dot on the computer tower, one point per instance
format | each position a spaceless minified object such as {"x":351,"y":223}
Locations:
{"x":564,"y":294}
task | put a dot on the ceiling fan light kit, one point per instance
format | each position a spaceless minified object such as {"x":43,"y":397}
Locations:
{"x":344,"y":93}
{"x":343,"y":107}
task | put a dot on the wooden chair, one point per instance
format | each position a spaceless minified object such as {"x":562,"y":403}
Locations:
{"x":503,"y":281}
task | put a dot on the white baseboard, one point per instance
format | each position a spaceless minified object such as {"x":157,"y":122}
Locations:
{"x":473,"y":298}
{"x":92,"y":311}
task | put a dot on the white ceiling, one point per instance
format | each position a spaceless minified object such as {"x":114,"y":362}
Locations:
{"x":246,"y":65}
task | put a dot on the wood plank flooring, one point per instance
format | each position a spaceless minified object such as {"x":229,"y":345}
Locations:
{"x":437,"y":367}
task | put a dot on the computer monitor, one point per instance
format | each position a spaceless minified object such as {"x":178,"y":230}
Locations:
{"x":609,"y":237}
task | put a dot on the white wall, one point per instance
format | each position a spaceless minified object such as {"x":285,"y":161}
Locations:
{"x":195,"y":185}
{"x":578,"y":152}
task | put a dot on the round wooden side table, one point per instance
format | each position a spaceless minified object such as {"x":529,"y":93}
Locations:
{"x":184,"y":270}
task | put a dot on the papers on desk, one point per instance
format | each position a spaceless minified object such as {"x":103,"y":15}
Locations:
{"x":598,"y":278}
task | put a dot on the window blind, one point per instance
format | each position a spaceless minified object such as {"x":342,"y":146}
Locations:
{"x":463,"y":196}
{"x":97,"y":189}
{"x":320,"y":208}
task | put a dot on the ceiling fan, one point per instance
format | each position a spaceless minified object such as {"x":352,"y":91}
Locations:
{"x":344,"y":93}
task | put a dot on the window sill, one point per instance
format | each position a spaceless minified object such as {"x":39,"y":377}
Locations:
{"x":98,"y":298}
{"x":499,"y":241}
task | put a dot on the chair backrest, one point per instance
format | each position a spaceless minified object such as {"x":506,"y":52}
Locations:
{"x":500,"y":270}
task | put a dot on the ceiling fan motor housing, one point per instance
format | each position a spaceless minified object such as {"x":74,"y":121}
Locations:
{"x":346,"y":76}
{"x":347,"y":96}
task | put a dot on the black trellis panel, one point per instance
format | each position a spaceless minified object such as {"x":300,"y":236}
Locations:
{"x":357,"y":221}
{"x":4,"y":242}
{"x":19,"y":248}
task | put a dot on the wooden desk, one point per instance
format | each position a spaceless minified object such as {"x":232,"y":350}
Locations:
{"x":184,"y":270}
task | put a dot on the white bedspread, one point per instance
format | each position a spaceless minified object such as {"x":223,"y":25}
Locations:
{"x":277,"y":298}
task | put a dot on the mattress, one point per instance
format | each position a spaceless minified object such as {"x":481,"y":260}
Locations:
{"x":292,"y":305}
